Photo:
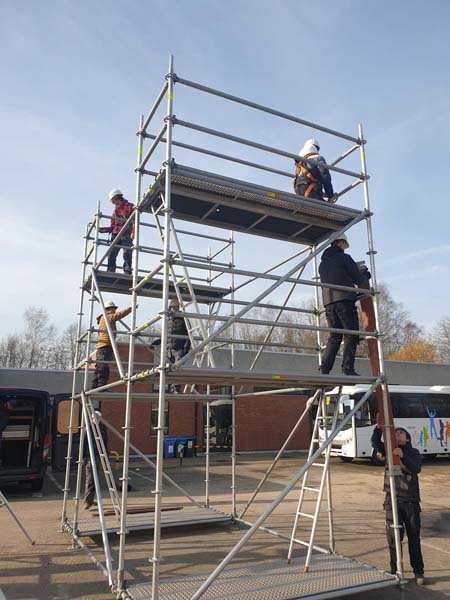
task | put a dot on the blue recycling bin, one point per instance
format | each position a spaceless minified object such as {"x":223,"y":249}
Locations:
{"x":169,"y":446}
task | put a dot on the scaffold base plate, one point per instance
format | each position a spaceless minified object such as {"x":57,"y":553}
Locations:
{"x":329,"y":576}
{"x":188,"y":515}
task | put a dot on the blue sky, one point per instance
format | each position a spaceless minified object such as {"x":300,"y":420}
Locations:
{"x":77,"y":75}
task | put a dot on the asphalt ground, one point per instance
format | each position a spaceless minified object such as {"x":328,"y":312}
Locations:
{"x":52,"y":569}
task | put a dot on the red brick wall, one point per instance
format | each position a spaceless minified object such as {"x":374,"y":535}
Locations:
{"x":264,"y":422}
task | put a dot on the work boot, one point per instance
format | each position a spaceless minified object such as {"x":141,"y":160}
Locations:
{"x":88,"y":504}
{"x":420,"y":579}
{"x":324,"y":370}
{"x":351,"y":373}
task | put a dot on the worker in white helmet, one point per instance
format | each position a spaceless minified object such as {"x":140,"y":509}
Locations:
{"x":122,"y":211}
{"x":312,"y":178}
{"x":104,"y":352}
{"x":338,"y":268}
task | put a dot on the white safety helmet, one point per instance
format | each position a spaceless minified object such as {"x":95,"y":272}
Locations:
{"x":114,"y":193}
{"x":313,"y":142}
{"x":311,"y":146}
{"x":110,"y":304}
{"x":344,"y":238}
{"x":98,"y":414}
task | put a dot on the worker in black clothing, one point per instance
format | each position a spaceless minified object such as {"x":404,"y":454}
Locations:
{"x":177,"y":347}
{"x":312,"y":178}
{"x":408,"y":498}
{"x":89,"y":490}
{"x":339,"y":268}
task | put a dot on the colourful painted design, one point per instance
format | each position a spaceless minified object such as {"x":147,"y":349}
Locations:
{"x":431,"y":432}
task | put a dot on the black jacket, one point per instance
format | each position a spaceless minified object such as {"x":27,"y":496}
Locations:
{"x":406,"y":484}
{"x":176,"y":326}
{"x":338,"y":268}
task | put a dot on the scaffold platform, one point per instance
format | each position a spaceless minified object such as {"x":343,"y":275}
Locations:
{"x":218,"y":201}
{"x":187,"y":515}
{"x":119,"y":283}
{"x":286,"y":379}
{"x":330,"y":576}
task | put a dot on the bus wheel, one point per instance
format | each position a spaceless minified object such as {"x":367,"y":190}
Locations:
{"x":376,"y":460}
{"x":347,"y":459}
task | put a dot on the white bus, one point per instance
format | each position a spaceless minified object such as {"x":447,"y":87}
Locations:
{"x":423,"y":410}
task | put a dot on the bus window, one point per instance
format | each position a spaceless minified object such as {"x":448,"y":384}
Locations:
{"x":439,"y":403}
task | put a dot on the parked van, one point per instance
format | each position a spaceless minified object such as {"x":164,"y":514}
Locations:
{"x":24,"y":436}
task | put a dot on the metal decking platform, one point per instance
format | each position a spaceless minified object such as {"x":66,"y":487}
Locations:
{"x":188,"y":515}
{"x":219,"y":201}
{"x":285,"y":379}
{"x":118,"y":283}
{"x":330,"y":576}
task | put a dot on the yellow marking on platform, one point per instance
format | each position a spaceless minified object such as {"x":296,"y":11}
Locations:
{"x":170,"y":96}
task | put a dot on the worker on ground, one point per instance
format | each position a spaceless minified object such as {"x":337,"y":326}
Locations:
{"x":122,"y":211}
{"x":408,"y":498}
{"x":89,"y":488}
{"x":338,"y":268}
{"x":312,"y":178}
{"x":177,"y":347}
{"x":104,"y":352}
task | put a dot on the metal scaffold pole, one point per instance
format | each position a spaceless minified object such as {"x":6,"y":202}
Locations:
{"x":129,"y":397}
{"x":77,"y":357}
{"x":92,"y":300}
{"x":388,"y":429}
{"x":156,"y":558}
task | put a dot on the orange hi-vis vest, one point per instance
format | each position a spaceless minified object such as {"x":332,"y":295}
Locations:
{"x":305,"y":169}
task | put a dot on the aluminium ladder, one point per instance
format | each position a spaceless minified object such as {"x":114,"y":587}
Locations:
{"x":313,"y":493}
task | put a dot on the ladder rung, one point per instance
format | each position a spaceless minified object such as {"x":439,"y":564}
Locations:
{"x":318,"y":465}
{"x":311,"y":489}
{"x":307,"y":515}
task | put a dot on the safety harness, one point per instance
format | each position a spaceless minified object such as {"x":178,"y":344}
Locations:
{"x":306,"y":169}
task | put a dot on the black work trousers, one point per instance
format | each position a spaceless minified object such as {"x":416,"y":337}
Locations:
{"x":124,"y":243}
{"x":314,"y":194}
{"x":89,"y":487}
{"x":341,"y":315}
{"x":101,"y":374}
{"x":409,"y":520}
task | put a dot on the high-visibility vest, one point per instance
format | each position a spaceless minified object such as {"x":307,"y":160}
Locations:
{"x":306,"y":169}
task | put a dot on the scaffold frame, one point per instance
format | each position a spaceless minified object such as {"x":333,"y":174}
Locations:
{"x":184,"y":193}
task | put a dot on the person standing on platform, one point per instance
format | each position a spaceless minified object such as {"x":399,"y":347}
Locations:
{"x":338,"y":268}
{"x":177,"y":347}
{"x":408,"y":498}
{"x":104,"y":352}
{"x":122,"y":211}
{"x":312,"y":178}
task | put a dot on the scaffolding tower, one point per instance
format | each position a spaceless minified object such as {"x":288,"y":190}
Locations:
{"x":171,"y":267}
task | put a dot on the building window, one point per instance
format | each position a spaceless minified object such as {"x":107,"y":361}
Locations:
{"x":154,"y":419}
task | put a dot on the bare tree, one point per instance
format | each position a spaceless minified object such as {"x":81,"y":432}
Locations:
{"x":396,"y":326}
{"x":440,"y":338}
{"x":62,"y":351}
{"x":13,"y":352}
{"x":39,"y":336}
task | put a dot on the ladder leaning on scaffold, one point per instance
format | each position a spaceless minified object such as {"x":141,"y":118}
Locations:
{"x":324,"y":424}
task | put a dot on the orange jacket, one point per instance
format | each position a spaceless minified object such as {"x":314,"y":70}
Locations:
{"x":103,"y":337}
